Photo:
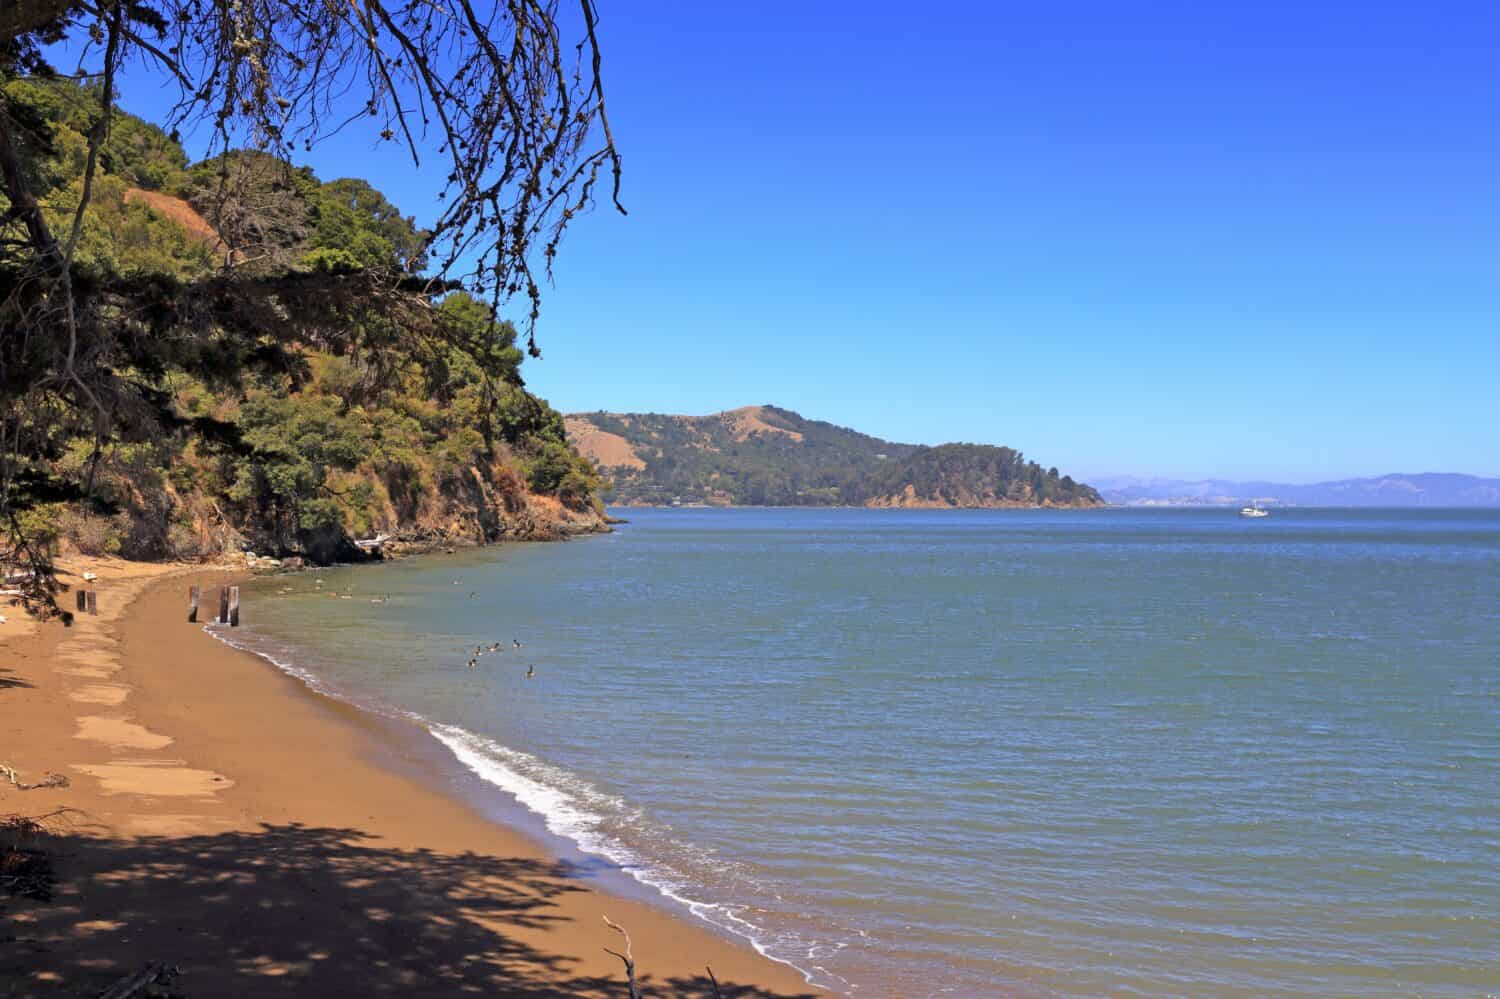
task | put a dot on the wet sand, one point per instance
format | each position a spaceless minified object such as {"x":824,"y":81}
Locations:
{"x":267,"y":840}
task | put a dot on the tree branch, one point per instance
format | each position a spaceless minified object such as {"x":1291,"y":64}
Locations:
{"x":627,"y":958}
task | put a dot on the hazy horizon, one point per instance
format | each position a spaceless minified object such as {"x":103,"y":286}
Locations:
{"x":1288,"y":482}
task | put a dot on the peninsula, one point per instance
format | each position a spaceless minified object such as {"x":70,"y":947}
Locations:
{"x":767,"y":456}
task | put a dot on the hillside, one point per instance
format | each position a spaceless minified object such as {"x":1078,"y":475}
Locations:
{"x":395,"y":411}
{"x":765,"y":456}
{"x":1395,"y":490}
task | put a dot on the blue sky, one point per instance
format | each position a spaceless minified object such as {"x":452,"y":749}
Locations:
{"x":1239,"y":240}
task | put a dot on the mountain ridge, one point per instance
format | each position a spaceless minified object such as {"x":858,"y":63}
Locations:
{"x":768,"y":456}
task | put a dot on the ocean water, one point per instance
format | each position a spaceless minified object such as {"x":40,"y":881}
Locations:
{"x":1154,"y":753}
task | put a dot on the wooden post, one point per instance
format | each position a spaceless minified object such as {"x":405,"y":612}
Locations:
{"x":83,"y":597}
{"x":234,"y":607}
{"x":223,"y":605}
{"x":93,"y":601}
{"x":192,"y":605}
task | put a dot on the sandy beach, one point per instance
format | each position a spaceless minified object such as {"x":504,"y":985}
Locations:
{"x":264,"y":839}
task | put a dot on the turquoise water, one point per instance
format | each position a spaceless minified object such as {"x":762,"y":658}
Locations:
{"x":986,"y":753}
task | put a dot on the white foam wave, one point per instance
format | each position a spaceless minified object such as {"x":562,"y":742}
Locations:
{"x":570,"y":807}
{"x":575,"y":809}
{"x":290,"y":668}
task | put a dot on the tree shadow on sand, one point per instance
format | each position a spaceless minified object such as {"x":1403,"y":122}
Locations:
{"x":292,"y":910}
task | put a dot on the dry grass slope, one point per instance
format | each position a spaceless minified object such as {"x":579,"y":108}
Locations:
{"x":749,"y":420}
{"x":605,"y":449}
{"x":179,"y":211}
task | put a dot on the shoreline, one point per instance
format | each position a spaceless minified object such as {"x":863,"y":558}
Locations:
{"x":226,"y":818}
{"x":860,"y":506}
{"x":461,"y":760}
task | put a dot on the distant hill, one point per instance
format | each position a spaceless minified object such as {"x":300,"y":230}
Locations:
{"x":765,"y":456}
{"x":1429,"y":489}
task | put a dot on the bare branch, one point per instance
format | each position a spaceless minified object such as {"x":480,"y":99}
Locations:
{"x":627,"y":958}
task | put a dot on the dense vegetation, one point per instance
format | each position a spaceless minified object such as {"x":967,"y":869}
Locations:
{"x":289,"y":438}
{"x":975,"y":475}
{"x":768,"y":456}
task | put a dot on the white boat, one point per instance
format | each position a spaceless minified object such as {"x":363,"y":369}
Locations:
{"x":1254,"y":510}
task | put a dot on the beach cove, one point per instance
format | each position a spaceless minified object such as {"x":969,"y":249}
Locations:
{"x":911,"y":753}
{"x":223,"y":818}
{"x":987,"y":753}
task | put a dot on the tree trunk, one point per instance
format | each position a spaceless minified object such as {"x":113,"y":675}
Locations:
{"x":23,"y":205}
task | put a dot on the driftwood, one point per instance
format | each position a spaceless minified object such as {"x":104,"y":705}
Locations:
{"x":49,"y":779}
{"x":627,"y":958}
{"x":714,"y":982}
{"x":153,"y":972}
{"x":374,"y":544}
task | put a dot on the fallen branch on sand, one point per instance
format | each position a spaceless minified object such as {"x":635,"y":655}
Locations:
{"x":49,"y":779}
{"x":713,"y":981}
{"x":154,"y":973}
{"x":627,"y":958}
